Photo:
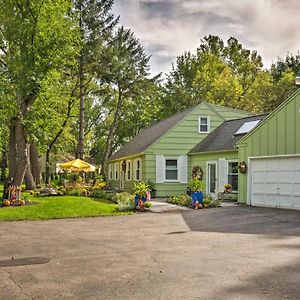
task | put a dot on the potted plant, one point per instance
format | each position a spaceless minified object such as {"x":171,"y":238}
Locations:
{"x":196,"y":187}
{"x":228,"y":188}
{"x":140,"y":190}
{"x":152,"y":188}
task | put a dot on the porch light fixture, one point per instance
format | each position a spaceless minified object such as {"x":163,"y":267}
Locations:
{"x":297,"y":79}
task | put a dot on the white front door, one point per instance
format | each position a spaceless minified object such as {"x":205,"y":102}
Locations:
{"x":211,"y":178}
{"x":275,"y":182}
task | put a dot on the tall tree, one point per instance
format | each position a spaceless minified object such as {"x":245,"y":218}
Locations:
{"x":218,"y":72}
{"x":35,"y":38}
{"x":127,"y":68}
{"x":96,"y":23}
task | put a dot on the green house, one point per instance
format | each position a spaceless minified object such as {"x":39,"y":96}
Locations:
{"x":159,"y":153}
{"x":217,"y":156}
{"x":271,"y":153}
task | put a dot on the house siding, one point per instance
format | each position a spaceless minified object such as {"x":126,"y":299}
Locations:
{"x":180,"y":140}
{"x":202,"y":158}
{"x":128,"y":185}
{"x":278,"y":135}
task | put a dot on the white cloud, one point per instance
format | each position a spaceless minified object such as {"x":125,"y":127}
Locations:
{"x":167,"y":28}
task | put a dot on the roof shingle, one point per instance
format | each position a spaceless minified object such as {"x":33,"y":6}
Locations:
{"x":223,"y":138}
{"x":149,"y":135}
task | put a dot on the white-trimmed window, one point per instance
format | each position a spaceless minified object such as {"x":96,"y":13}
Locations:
{"x":116,"y":171}
{"x":232,"y":171}
{"x":171,"y":169}
{"x":204,"y":124}
{"x":137,"y":169}
{"x":128,"y":170}
{"x":110,"y":171}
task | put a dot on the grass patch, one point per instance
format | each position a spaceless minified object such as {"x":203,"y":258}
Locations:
{"x":60,"y":207}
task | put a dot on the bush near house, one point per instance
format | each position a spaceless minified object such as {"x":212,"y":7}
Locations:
{"x":186,"y":200}
{"x":125,"y":201}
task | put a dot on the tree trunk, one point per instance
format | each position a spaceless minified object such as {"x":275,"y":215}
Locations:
{"x":22,"y":157}
{"x":112,"y":131}
{"x":35,"y":165}
{"x":80,"y":146}
{"x":12,"y":150}
{"x":47,"y":170}
{"x":28,"y":178}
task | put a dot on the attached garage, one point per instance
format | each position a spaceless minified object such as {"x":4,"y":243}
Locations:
{"x":275,"y":182}
{"x":271,"y":153}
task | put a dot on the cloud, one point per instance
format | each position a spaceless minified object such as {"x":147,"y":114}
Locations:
{"x":169,"y":28}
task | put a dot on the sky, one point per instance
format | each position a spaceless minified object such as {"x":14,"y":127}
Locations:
{"x":168,"y":28}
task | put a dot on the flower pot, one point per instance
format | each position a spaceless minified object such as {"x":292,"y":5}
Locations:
{"x":197,"y":196}
{"x":137,"y":198}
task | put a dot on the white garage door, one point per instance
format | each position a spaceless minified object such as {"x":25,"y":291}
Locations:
{"x":275,"y":182}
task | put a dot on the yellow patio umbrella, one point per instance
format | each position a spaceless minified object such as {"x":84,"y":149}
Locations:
{"x":77,"y":165}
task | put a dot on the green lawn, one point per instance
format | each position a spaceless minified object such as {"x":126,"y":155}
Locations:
{"x":59,"y":207}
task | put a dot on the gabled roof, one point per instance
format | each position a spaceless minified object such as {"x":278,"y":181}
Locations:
{"x":277,"y":109}
{"x":149,"y":135}
{"x":223,"y":137}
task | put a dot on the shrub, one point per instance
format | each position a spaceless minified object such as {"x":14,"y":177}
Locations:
{"x":125,"y":201}
{"x":184,"y":200}
{"x":196,"y":185}
{"x":98,"y":193}
{"x":141,"y":188}
{"x":73,"y":192}
{"x":111,"y":197}
{"x":215,"y":203}
{"x":84,"y":192}
{"x":61,"y":192}
{"x":207,"y":201}
{"x":147,"y":204}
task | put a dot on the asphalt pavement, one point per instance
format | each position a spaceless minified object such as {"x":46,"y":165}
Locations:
{"x":232,"y":252}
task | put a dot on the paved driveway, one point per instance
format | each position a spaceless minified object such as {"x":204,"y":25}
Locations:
{"x":222,"y":253}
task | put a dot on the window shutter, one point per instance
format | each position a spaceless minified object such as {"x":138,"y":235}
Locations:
{"x":160,"y":169}
{"x":134,"y":169}
{"x":183,"y":169}
{"x":222,"y":174}
{"x":141,"y":178}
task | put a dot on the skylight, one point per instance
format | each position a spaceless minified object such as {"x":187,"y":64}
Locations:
{"x":246,"y":127}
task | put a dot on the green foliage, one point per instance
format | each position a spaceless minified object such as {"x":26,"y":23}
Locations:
{"x":183,"y":200}
{"x":207,"y":201}
{"x":215,"y":203}
{"x":73,"y":192}
{"x":229,"y":75}
{"x":125,"y":201}
{"x":196,"y":185}
{"x":151,"y":185}
{"x":147,"y":204}
{"x":140,"y":188}
{"x":101,"y":194}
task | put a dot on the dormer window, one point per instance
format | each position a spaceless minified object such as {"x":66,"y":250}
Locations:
{"x":204,"y":124}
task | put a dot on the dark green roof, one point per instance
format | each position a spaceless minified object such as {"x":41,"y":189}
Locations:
{"x":223,"y":138}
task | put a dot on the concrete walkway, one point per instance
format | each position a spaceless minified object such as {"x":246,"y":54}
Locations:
{"x":161,"y":206}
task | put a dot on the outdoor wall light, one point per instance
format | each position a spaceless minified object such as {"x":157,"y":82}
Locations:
{"x":297,"y":79}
